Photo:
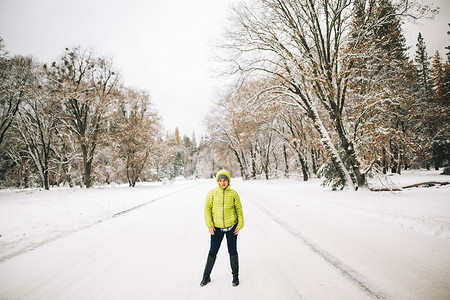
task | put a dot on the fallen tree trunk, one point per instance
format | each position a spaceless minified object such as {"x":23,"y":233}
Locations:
{"x":422,"y":184}
{"x":426,"y":184}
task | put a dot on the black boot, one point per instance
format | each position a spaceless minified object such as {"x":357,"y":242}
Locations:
{"x":234,"y":262}
{"x":208,"y":268}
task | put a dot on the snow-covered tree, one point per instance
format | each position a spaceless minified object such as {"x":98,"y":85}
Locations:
{"x":299,"y":135}
{"x":382,"y":90}
{"x":17,"y":84}
{"x":86,"y":85}
{"x":36,"y":124}
{"x":190,"y":156}
{"x":423,"y":68}
{"x":438,"y":79}
{"x":306,"y":46}
{"x":437,"y":115}
{"x":233,"y":125}
{"x":175,"y":164}
{"x":136,"y":129}
{"x":15,"y":77}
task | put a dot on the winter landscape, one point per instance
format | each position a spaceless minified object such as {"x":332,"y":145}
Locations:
{"x":332,"y":117}
{"x":300,"y":241}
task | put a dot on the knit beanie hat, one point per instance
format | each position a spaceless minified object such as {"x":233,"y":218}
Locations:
{"x":223,"y":176}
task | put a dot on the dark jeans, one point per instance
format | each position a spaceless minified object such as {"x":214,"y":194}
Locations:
{"x":217,"y":238}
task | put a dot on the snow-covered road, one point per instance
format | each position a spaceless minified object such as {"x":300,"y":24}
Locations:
{"x":299,"y":242}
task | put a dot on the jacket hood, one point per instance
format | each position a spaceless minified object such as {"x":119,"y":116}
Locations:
{"x":223,"y":172}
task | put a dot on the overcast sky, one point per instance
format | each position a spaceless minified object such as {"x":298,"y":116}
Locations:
{"x":164,"y":46}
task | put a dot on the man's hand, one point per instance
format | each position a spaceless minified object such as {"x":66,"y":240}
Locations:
{"x":212,"y":230}
{"x":236,"y":231}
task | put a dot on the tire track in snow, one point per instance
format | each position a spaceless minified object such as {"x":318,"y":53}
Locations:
{"x":289,"y":290}
{"x":350,"y":274}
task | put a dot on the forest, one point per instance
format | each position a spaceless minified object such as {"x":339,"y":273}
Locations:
{"x":319,"y":88}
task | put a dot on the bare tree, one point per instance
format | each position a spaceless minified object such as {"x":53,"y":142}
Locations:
{"x":298,"y":135}
{"x":304,"y":45}
{"x":233,"y":124}
{"x":36,"y":124}
{"x":137,"y":131}
{"x":66,"y":156}
{"x":15,"y":77}
{"x":86,"y":85}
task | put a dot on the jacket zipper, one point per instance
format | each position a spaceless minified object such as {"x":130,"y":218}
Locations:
{"x":223,"y":208}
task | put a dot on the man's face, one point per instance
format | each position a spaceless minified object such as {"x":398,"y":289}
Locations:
{"x":223,"y":183}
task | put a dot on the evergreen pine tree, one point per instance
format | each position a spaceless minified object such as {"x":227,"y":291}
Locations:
{"x":434,"y":121}
{"x":383,"y":80}
{"x":437,"y":77}
{"x":446,"y":87}
{"x":177,"y":165}
{"x":389,"y":35}
{"x":423,"y":67}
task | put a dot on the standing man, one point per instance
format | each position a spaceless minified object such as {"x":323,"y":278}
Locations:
{"x":223,"y":216}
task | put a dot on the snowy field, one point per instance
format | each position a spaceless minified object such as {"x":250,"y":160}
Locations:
{"x":300,"y":241}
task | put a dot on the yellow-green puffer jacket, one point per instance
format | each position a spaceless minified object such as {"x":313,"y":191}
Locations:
{"x":223,"y":208}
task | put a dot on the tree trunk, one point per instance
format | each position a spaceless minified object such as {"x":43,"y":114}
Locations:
{"x":253,"y":158}
{"x":304,"y":167}
{"x":241,"y":166}
{"x":302,"y":161}
{"x":286,"y":164}
{"x":314,"y":163}
{"x":436,"y":157}
{"x":87,"y":163}
{"x":334,"y":154}
{"x":349,"y":150}
{"x":45,"y":177}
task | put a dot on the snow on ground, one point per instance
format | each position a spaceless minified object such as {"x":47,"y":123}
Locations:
{"x":300,"y":241}
{"x":32,"y":217}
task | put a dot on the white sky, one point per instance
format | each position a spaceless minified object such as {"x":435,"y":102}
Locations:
{"x":164,"y":46}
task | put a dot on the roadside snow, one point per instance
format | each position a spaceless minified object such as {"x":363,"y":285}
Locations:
{"x":32,"y":217}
